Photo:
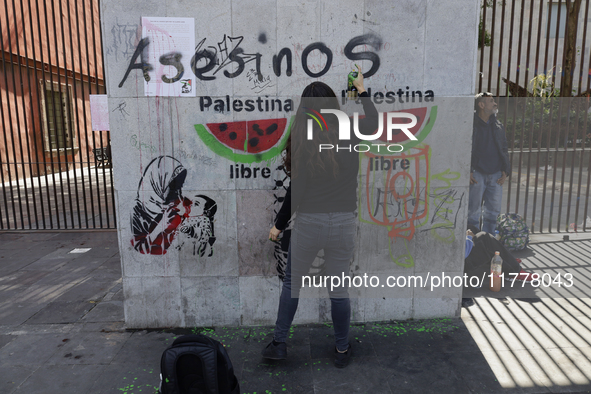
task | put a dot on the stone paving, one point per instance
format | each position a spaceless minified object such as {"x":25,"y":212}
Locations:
{"x":62,"y":331}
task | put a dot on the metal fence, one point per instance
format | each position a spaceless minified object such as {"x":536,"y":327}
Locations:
{"x":528,"y":49}
{"x":54,"y":169}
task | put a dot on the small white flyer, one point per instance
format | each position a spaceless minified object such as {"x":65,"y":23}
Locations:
{"x":99,"y":112}
{"x":170,"y":49}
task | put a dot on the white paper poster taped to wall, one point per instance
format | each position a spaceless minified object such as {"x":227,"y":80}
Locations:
{"x":171,"y":46}
{"x":99,"y":112}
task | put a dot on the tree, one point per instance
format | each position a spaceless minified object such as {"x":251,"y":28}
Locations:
{"x":570,"y":39}
{"x":484,"y":37}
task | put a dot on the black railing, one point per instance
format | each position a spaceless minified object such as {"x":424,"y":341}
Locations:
{"x":549,"y":135}
{"x":51,"y":63}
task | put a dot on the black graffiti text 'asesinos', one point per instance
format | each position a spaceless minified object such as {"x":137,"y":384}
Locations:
{"x":141,"y":51}
{"x":366,"y":39}
{"x":215,"y":61}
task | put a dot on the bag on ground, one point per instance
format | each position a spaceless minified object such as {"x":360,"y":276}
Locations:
{"x":513,"y":231}
{"x":196,"y":364}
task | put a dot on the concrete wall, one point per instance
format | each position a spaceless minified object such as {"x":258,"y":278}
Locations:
{"x":219,"y":268}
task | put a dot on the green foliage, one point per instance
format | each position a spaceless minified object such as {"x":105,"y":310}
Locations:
{"x":481,"y":30}
{"x":487,"y":37}
{"x":543,"y":86}
{"x":547,"y":121}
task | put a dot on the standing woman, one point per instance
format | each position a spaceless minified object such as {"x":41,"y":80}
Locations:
{"x":323,"y":192}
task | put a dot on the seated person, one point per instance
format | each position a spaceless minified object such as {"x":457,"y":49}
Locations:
{"x":481,"y":248}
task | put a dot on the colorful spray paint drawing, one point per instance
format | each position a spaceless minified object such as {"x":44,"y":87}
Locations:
{"x":397,"y":184}
{"x":246,"y":141}
{"x":398,"y":197}
{"x":396,"y":192}
{"x":397,"y":189}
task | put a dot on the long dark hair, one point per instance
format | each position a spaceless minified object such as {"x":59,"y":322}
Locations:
{"x":303,"y":154}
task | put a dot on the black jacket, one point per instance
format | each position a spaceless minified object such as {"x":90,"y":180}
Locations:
{"x":324,"y":193}
{"x":500,"y":142}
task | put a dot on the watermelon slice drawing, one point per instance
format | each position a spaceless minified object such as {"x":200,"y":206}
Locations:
{"x":425,"y":120}
{"x":248,"y":142}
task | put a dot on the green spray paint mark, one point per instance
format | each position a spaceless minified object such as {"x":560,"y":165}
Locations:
{"x":434,"y":326}
{"x":404,"y":260}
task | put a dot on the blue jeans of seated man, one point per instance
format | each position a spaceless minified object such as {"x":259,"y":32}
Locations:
{"x":335,"y":233}
{"x":488,"y":190}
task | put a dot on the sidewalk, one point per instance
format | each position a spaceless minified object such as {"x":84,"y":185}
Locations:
{"x":62,"y":331}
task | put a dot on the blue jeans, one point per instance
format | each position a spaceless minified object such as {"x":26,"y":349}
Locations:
{"x":488,"y":190}
{"x":335,"y":233}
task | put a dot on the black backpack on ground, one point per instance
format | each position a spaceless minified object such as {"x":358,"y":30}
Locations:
{"x":196,"y":364}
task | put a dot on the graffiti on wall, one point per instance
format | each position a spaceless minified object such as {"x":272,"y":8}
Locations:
{"x":396,"y":193}
{"x":161,"y":212}
{"x":446,"y":204}
{"x":122,"y":39}
{"x":403,"y":196}
{"x":199,"y":226}
{"x":246,"y":142}
{"x":228,"y":57}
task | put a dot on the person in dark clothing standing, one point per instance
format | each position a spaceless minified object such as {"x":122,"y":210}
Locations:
{"x":490,"y":164}
{"x":323,"y":193}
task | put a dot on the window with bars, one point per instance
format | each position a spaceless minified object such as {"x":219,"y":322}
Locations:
{"x":57,"y":111}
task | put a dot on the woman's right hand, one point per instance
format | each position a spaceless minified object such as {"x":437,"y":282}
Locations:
{"x":274,"y":233}
{"x":358,"y":82}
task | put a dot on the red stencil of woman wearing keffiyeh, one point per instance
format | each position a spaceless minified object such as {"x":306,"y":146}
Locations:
{"x":160,"y":207}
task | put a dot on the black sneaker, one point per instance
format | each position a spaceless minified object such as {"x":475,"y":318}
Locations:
{"x":341,"y":360}
{"x":275,"y":351}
